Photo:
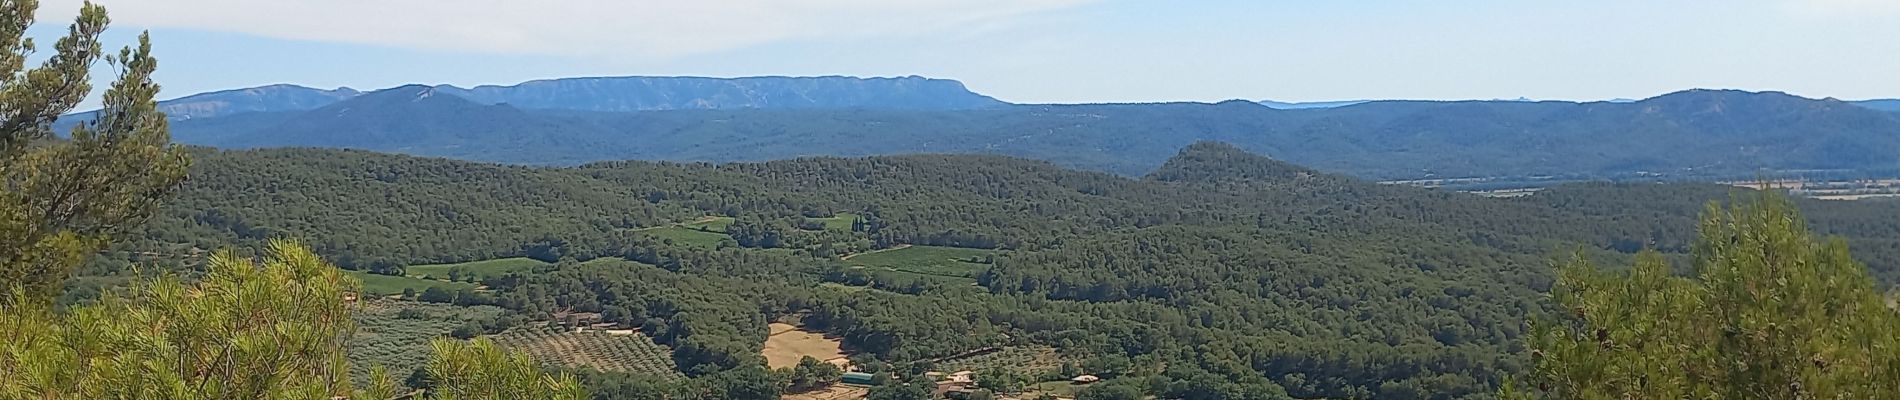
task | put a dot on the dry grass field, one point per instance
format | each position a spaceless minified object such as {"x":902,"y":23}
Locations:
{"x":787,"y":344}
{"x":835,"y":392}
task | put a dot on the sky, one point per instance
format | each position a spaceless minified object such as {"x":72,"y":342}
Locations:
{"x":1039,"y":51}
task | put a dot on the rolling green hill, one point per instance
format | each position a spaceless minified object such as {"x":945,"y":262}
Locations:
{"x":1233,"y":270}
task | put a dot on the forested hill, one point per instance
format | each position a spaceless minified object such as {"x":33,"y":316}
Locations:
{"x":1222,"y":270}
{"x":1698,"y":134}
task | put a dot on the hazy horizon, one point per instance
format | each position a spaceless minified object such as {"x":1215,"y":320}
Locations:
{"x":1042,"y":51}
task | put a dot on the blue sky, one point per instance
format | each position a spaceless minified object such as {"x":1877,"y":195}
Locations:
{"x":1063,"y":51}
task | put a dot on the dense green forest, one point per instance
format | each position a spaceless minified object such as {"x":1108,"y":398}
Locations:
{"x":1221,"y":273}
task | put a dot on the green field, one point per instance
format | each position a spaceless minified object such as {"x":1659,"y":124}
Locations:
{"x":481,"y":269}
{"x":925,"y":260}
{"x":840,"y":222}
{"x":384,"y":285}
{"x":685,"y":236}
{"x":399,"y":343}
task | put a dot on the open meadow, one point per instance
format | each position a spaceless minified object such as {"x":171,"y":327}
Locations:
{"x":840,"y":222}
{"x":787,"y":344}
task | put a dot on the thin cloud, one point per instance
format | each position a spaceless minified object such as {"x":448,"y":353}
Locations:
{"x":610,"y":28}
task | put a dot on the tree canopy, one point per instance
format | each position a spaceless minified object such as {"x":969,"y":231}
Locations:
{"x":65,"y":198}
{"x":275,"y":329}
{"x":1771,"y":312}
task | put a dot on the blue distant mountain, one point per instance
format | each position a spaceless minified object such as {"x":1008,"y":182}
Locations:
{"x":1879,"y":104}
{"x":1704,"y":133}
{"x":270,"y":98}
{"x":1279,"y":105}
{"x":641,"y":93}
{"x":631,"y":93}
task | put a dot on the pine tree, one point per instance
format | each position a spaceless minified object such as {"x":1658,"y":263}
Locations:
{"x":481,"y":370}
{"x":64,"y":198}
{"x":247,"y":330}
{"x":1772,"y":313}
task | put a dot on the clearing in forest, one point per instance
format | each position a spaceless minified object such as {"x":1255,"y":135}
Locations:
{"x":702,"y":232}
{"x":713,"y":224}
{"x":787,"y":344}
{"x":688,"y":236}
{"x":480,"y":269}
{"x":927,"y":260}
{"x":840,"y":222}
{"x":384,"y":285}
{"x":598,"y":349}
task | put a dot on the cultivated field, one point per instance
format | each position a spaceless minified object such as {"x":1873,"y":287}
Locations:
{"x":835,"y":392}
{"x":384,"y":285}
{"x":788,"y":344}
{"x":616,"y":351}
{"x":1026,"y":360}
{"x":926,"y":260}
{"x":399,"y":341}
{"x":480,"y":269}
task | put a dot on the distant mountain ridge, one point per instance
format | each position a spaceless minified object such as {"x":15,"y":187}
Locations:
{"x":1698,"y":133}
{"x":1301,"y":105}
{"x":651,"y":93}
{"x":641,"y":93}
{"x":1879,"y":104}
{"x":271,"y":98}
{"x":629,"y":93}
{"x":418,"y":119}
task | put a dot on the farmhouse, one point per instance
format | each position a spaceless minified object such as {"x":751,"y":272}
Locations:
{"x":962,"y":377}
{"x":857,"y":378}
